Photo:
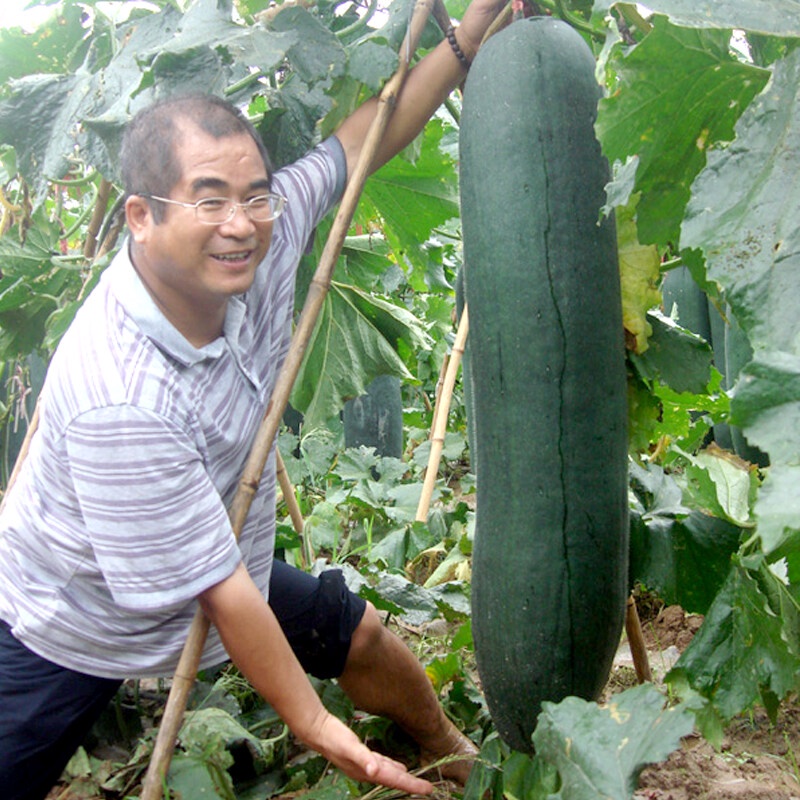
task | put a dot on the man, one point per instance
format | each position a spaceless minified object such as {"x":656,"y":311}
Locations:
{"x":117,"y":525}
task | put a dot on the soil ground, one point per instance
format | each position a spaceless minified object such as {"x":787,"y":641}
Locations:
{"x":758,"y":760}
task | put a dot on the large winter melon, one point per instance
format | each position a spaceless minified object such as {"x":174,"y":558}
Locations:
{"x":547,"y":360}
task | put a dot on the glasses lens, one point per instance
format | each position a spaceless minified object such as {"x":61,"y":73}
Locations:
{"x":214,"y":210}
{"x":265,"y":207}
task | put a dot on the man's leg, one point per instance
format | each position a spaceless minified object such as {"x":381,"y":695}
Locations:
{"x":382,"y":676}
{"x":337,"y":634}
{"x":45,"y":713}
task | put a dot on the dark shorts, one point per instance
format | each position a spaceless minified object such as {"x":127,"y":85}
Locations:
{"x":46,"y":710}
{"x":318,"y":616}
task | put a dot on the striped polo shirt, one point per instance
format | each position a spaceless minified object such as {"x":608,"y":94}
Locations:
{"x":118,"y":519}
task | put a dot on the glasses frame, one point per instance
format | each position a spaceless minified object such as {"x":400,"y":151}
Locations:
{"x":232,"y":204}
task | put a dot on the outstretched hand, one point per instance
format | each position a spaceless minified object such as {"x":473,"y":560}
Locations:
{"x":335,"y":741}
{"x":476,"y":20}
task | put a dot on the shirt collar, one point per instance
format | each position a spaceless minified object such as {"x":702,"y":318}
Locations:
{"x":132,"y":294}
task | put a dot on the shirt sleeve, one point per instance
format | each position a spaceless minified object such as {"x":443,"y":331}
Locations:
{"x":156,"y":524}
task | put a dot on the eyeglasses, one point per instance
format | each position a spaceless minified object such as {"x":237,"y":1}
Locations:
{"x":219,"y":210}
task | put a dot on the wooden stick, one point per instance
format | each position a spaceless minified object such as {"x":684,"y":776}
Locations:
{"x":295,"y":514}
{"x":633,"y":627}
{"x":440,"y":415}
{"x":265,"y":436}
{"x":437,"y":393}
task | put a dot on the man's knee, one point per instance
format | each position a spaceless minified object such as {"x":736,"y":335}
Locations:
{"x":369,"y":638}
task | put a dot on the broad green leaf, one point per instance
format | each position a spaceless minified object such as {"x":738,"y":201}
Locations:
{"x":190,"y":776}
{"x":526,"y":778}
{"x":31,"y":257}
{"x":747,"y":649}
{"x":683,"y":554}
{"x":316,"y":54}
{"x":599,"y":751}
{"x":323,"y":526}
{"x":674,"y":356}
{"x":411,"y":199}
{"x":38,"y":120}
{"x":678,"y":93}
{"x":366,"y":264}
{"x":206,"y":727}
{"x":47,"y":116}
{"x":371,"y":62}
{"x":290,"y":127}
{"x":415,"y":604}
{"x":353,"y":342}
{"x":775,"y":17}
{"x":486,"y":777}
{"x":766,"y":403}
{"x":50,"y":48}
{"x":744,"y":210}
{"x":685,"y":418}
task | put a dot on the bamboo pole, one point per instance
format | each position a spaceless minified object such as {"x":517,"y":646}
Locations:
{"x":633,"y":628}
{"x":295,"y":514}
{"x":262,"y":444}
{"x":440,"y":416}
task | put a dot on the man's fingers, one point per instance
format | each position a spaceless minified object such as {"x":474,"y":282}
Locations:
{"x":390,"y":773}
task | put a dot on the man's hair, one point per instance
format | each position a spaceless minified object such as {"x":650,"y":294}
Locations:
{"x":149,"y":158}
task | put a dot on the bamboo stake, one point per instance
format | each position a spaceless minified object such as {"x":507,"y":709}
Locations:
{"x":440,"y":415}
{"x":633,"y":627}
{"x":437,"y":393}
{"x":295,"y":514}
{"x":262,"y":444}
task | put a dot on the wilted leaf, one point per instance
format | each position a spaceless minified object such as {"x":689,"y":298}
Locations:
{"x":639,"y":267}
{"x":734,"y":482}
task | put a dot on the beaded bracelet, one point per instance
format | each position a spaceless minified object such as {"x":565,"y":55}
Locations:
{"x":451,"y":37}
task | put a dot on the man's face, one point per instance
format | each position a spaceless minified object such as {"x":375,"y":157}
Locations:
{"x":190,"y":268}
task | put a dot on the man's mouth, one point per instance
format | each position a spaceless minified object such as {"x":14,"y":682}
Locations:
{"x":233,"y":258}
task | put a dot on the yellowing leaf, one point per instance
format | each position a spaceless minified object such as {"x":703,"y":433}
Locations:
{"x":639,"y":274}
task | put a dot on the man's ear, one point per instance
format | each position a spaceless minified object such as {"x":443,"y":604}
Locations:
{"x":139,"y":217}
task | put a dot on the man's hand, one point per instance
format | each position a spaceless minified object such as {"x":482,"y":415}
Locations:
{"x":256,"y":644}
{"x":476,"y":21}
{"x":334,"y":740}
